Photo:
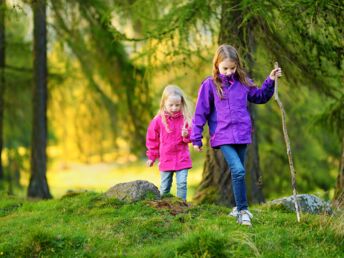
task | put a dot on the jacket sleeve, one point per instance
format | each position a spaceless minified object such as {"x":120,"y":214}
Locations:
{"x":153,"y":140}
{"x":263,"y":94}
{"x":202,"y":111}
{"x":187,"y":138}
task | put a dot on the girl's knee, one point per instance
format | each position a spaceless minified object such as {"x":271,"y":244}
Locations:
{"x":238,"y":174}
{"x":182,"y":185}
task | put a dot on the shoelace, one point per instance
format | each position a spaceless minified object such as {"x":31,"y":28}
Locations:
{"x":248,"y":213}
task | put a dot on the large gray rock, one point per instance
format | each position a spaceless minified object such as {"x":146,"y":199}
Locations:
{"x":307,"y":202}
{"x":134,"y":191}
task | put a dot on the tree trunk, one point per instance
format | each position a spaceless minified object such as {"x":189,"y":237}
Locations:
{"x":216,"y":184}
{"x":2,"y":78}
{"x":38,"y":187}
{"x":339,"y":191}
{"x":216,"y":180}
{"x":252,"y":164}
{"x":253,"y":167}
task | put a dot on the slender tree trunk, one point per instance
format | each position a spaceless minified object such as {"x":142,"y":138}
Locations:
{"x":339,"y":191}
{"x":38,"y":187}
{"x":2,"y":78}
{"x":15,"y":166}
{"x":216,"y":180}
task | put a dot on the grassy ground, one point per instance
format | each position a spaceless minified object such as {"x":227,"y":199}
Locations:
{"x":91,"y":225}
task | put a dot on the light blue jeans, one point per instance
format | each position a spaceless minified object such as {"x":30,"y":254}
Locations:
{"x":167,"y":179}
{"x":235,"y":156}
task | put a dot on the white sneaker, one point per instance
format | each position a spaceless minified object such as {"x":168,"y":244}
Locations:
{"x":244,"y":218}
{"x":234,"y":212}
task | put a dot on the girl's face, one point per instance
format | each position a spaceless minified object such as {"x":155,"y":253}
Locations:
{"x":173,"y":104}
{"x":227,"y":67}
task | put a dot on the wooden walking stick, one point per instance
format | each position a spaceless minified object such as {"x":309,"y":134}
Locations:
{"x":287,"y":142}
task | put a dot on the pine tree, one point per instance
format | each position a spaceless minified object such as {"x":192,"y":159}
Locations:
{"x":38,"y":186}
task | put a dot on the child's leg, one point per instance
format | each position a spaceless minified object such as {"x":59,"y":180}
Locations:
{"x":181,"y":177}
{"x":231,"y":154}
{"x":241,"y":149}
{"x":166,"y":182}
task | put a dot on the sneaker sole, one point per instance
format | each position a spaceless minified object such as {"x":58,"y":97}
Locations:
{"x":246,"y":223}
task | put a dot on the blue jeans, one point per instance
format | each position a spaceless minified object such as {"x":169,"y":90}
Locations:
{"x":167,"y":179}
{"x":235,"y":157}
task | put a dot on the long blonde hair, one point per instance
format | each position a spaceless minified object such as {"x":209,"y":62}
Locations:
{"x":228,"y":52}
{"x":174,"y":90}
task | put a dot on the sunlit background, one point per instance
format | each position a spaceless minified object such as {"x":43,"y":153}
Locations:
{"x":105,"y":88}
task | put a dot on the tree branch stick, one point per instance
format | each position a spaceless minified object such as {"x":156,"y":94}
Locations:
{"x":287,"y":142}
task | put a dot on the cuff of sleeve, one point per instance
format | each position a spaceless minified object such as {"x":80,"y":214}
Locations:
{"x":270,"y":81}
{"x":198,"y":143}
{"x":152,"y":157}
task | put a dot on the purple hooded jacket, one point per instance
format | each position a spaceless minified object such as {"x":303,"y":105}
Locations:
{"x":228,"y":118}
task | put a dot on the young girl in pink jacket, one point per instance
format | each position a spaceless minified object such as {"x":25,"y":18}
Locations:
{"x":167,"y":139}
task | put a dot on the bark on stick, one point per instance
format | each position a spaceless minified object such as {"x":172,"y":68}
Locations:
{"x":287,"y":142}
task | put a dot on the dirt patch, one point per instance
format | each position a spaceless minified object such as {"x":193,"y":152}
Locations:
{"x":173,"y":206}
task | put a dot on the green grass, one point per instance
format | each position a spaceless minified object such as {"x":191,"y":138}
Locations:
{"x":91,"y":225}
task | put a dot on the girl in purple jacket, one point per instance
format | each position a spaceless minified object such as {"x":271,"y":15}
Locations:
{"x":167,"y":139}
{"x":222,"y":102}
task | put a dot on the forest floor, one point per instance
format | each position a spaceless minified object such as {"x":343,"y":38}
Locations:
{"x":89,"y":224}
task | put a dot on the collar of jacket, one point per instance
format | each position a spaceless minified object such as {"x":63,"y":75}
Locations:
{"x":227,"y":80}
{"x":173,"y":115}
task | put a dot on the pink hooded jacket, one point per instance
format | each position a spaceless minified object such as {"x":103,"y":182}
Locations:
{"x":169,"y":147}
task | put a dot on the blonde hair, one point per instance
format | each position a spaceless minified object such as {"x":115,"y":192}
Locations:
{"x":174,"y":90}
{"x":228,"y":52}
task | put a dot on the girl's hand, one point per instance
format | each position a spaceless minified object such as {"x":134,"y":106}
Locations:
{"x":185,"y":132}
{"x":149,"y":163}
{"x":277,"y":72}
{"x":198,"y":148}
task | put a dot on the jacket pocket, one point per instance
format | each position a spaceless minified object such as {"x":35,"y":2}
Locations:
{"x":242,"y":124}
